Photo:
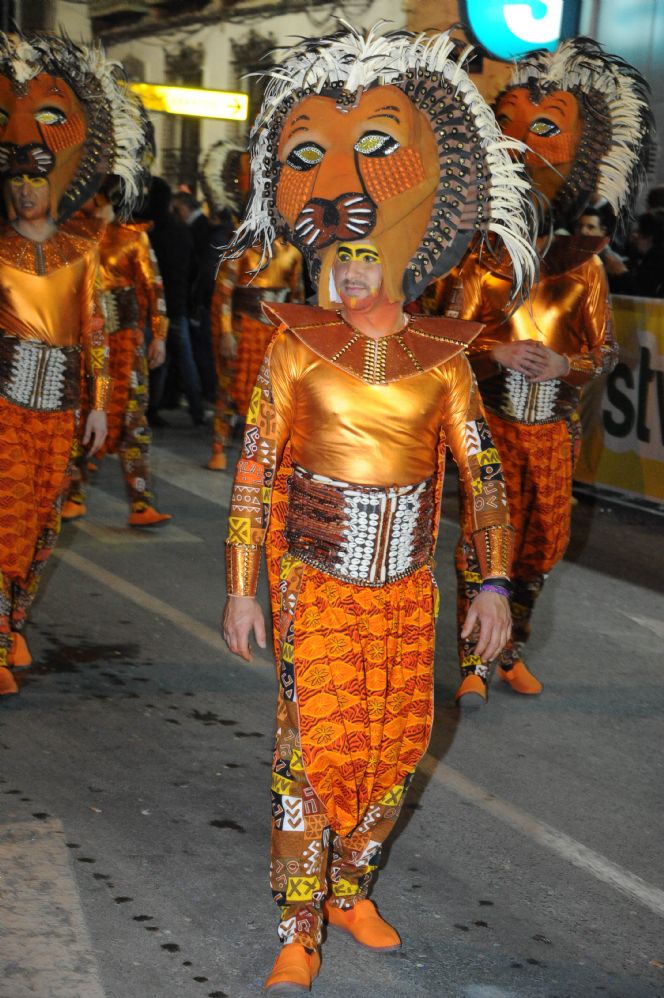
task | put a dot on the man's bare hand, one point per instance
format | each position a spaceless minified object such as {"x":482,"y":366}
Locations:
{"x":228,"y":346}
{"x":525,"y":356}
{"x":156,"y":353}
{"x":491,"y":613}
{"x":555,"y":365}
{"x":242,"y":615}
{"x":95,"y":431}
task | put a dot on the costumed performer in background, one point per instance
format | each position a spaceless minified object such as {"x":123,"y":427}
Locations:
{"x":240,"y":330}
{"x":131,"y":294}
{"x":585,"y":118}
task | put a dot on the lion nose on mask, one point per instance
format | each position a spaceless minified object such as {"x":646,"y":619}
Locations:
{"x":322,"y":221}
{"x":31,"y":158}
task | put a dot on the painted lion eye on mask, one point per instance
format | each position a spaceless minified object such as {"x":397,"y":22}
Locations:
{"x":50,"y":116}
{"x":376,"y":144}
{"x":306,"y":156}
{"x":544,"y":127}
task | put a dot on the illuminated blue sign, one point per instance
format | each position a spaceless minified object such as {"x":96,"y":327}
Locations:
{"x":507,"y":30}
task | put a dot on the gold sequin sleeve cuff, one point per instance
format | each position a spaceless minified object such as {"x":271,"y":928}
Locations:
{"x":242,"y":564}
{"x":100,"y":393}
{"x":495,"y":550}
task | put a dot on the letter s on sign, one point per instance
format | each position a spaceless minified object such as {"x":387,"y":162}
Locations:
{"x":523,"y":24}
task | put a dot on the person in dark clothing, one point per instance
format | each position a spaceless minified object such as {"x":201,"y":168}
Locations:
{"x":188,"y":210}
{"x":173,"y":246}
{"x":642,"y":274}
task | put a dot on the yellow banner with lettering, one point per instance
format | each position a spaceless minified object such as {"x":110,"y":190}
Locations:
{"x":623,"y":415}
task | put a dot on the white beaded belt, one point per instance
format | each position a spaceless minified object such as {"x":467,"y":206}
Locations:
{"x":515,"y":398}
{"x":37,"y":376}
{"x":366,"y":535}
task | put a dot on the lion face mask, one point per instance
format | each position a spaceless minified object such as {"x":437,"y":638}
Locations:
{"x":586,"y":119}
{"x":66,"y":116}
{"x":383,"y":139}
{"x":42,"y":133}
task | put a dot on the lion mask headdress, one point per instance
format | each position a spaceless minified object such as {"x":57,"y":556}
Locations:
{"x":586,"y":117}
{"x":383,"y":138}
{"x":66,"y":114}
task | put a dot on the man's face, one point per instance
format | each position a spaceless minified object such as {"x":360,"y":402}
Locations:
{"x":552,"y":128}
{"x":42,"y":134}
{"x":358,"y":275}
{"x":589,"y":225}
{"x":30,"y":197}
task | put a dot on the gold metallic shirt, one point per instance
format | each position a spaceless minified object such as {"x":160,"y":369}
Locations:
{"x":568,"y":311}
{"x":367,"y":412}
{"x":48,"y":294}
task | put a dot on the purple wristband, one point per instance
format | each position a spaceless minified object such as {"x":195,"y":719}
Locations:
{"x":490,"y":587}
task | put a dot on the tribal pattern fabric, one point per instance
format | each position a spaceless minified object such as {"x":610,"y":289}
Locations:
{"x":537,"y":462}
{"x":358,"y":662}
{"x":35,"y":464}
{"x":304,"y":869}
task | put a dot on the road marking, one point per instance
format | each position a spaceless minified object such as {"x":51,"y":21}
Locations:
{"x":656,"y":626}
{"x":46,"y":947}
{"x":563,"y":845}
{"x":545,"y":835}
{"x":207,"y":635}
{"x":213,"y":486}
{"x":105,"y":507}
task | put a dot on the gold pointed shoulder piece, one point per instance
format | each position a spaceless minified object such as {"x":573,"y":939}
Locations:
{"x":424,"y":343}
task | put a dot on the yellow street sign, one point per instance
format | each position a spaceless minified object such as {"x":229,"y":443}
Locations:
{"x":192,"y":101}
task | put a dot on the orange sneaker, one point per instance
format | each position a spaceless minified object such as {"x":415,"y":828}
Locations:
{"x":73,"y":510}
{"x":7,"y":682}
{"x":19,"y":655}
{"x":218,"y":463}
{"x":148,"y":517}
{"x":364,"y":924}
{"x":520,"y":679}
{"x":472,"y":690}
{"x":294,"y":970}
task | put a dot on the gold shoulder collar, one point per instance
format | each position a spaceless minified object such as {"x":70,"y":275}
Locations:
{"x":70,"y":241}
{"x":424,"y":343}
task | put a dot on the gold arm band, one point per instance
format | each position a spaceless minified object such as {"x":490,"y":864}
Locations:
{"x":495,"y":551}
{"x":242,"y":564}
{"x":100,"y":394}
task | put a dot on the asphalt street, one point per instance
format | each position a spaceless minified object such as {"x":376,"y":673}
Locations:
{"x":134,"y":779}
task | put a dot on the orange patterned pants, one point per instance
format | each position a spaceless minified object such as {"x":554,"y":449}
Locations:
{"x":35,"y":450}
{"x":129,"y":434}
{"x":537,"y":464}
{"x":236,"y":378}
{"x":354,"y":719}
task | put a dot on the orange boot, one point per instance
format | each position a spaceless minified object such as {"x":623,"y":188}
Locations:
{"x":218,"y":460}
{"x":19,"y":655}
{"x":294,"y":970}
{"x":364,"y":924}
{"x":72,"y":510}
{"x":148,"y":517}
{"x":520,"y":679}
{"x":472,"y":691}
{"x":7,"y":682}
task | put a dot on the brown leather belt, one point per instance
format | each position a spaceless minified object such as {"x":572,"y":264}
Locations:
{"x":362,"y":534}
{"x":120,"y":308}
{"x":37,"y":376}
